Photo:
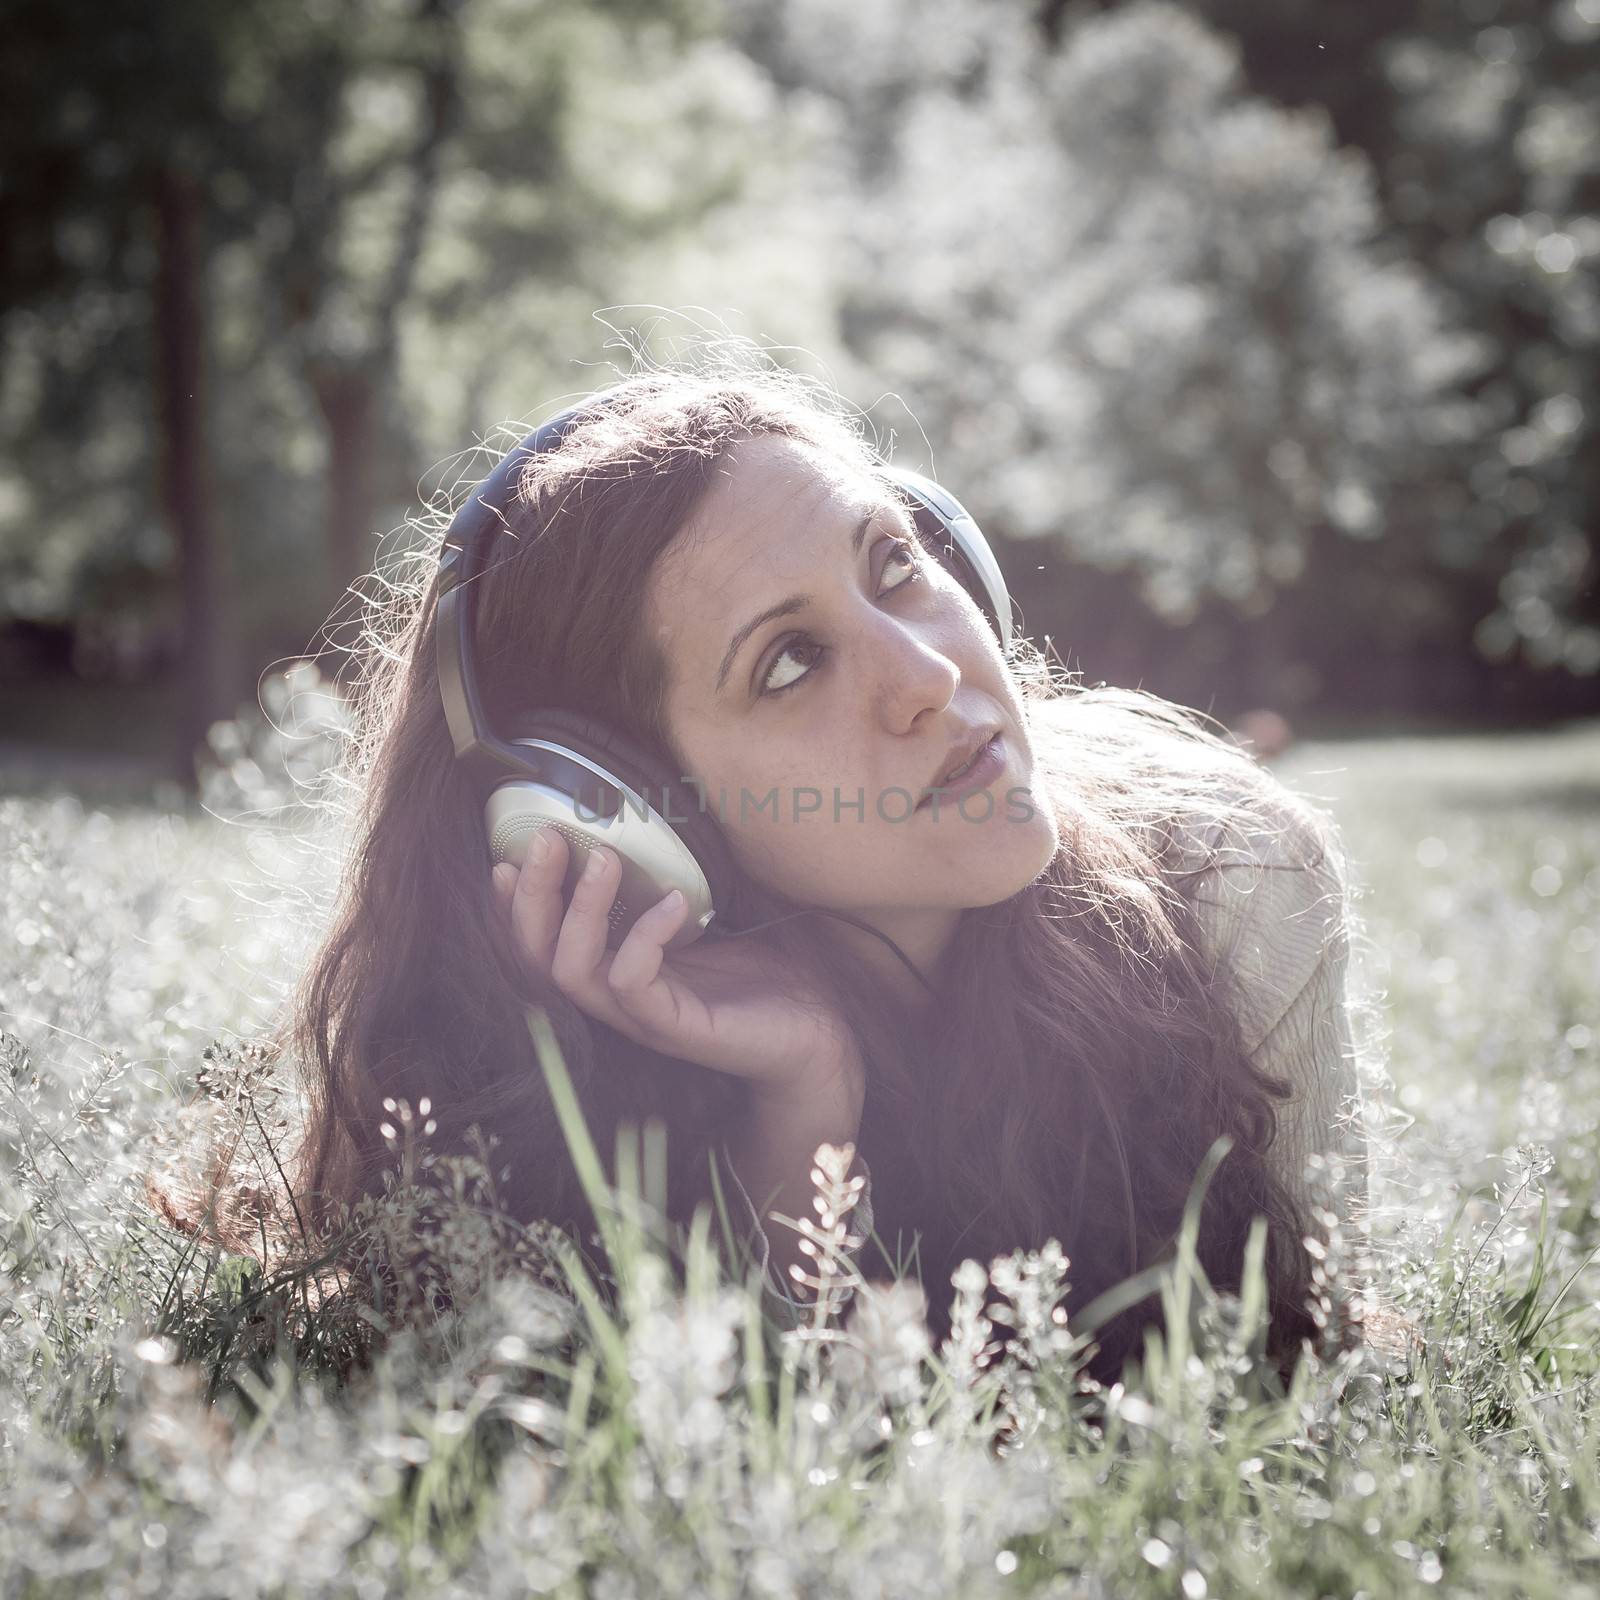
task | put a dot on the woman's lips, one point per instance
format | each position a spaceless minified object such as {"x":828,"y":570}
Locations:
{"x":986,"y":766}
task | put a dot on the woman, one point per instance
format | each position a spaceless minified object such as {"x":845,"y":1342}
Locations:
{"x":1040,"y":1013}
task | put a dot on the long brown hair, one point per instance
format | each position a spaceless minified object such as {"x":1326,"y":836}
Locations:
{"x":1078,"y":1061}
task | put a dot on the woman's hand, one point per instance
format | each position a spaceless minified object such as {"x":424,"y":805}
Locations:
{"x":728,"y":1005}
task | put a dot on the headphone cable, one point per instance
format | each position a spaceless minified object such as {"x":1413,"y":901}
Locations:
{"x":842,"y":916}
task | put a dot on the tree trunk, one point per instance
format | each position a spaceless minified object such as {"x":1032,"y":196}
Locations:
{"x":208,"y":653}
{"x":348,"y":399}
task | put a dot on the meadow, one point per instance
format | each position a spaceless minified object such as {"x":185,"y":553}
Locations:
{"x":173,"y":1424}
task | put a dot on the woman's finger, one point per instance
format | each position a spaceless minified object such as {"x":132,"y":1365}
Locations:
{"x":580,"y":959}
{"x":536,"y":907}
{"x":636,"y":967}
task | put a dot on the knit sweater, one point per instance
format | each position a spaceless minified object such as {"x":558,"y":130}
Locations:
{"x":1273,"y":909}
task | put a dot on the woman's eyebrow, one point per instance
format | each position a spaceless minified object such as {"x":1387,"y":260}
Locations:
{"x":796,"y":602}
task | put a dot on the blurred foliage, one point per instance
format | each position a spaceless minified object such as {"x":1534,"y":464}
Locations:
{"x":1480,"y":118}
{"x":1155,"y":327}
{"x":375,"y":177}
{"x":1267,"y":321}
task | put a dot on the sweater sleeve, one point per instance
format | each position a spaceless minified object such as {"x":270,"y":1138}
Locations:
{"x":751,"y":1238}
{"x":1276,"y":914}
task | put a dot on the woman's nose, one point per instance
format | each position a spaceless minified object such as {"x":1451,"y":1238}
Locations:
{"x":915,"y":671}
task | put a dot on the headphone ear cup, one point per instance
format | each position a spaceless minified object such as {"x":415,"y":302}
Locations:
{"x":663,"y":836}
{"x":593,"y":740}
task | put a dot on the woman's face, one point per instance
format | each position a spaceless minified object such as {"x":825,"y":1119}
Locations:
{"x":815,"y":732}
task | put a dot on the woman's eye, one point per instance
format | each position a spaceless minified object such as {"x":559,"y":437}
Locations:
{"x":793,"y":647}
{"x":908,"y":553}
{"x":902,"y":551}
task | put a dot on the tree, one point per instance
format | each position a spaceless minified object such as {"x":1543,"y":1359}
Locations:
{"x":348,"y":190}
{"x":1480,"y":121}
{"x":1144,"y":312}
{"x":107,"y":228}
{"x":442,"y":176}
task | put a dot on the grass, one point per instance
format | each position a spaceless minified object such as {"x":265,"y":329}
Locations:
{"x":171,"y":1423}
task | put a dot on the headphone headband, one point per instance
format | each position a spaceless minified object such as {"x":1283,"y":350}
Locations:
{"x":461,"y":563}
